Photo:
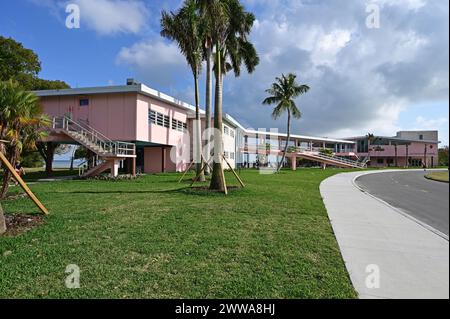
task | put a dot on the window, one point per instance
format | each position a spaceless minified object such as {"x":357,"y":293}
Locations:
{"x":152,"y":117}
{"x":166,"y":121}
{"x":84,"y":102}
{"x":226,"y":154}
{"x":158,"y":119}
{"x":178,"y":125}
{"x":420,"y":137}
{"x":232,"y":155}
{"x":226,"y":130}
{"x":232,"y":133}
{"x":390,"y":161}
{"x":380,"y":161}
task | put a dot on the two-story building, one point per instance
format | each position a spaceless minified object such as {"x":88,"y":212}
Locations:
{"x":155,"y":134}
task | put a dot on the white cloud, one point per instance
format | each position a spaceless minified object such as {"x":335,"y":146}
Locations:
{"x":428,"y":124}
{"x":156,"y":62}
{"x":106,"y":17}
{"x":113,"y":16}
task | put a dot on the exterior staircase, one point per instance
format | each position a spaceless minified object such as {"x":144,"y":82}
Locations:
{"x":108,"y":153}
{"x":331,"y":159}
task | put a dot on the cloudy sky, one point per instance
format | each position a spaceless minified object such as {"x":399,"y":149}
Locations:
{"x":362,"y":79}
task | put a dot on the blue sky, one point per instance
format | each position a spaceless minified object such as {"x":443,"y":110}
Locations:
{"x":363,"y":80}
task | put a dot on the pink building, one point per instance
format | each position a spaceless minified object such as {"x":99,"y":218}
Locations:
{"x":134,"y":128}
{"x":406,"y":149}
{"x":131,"y":127}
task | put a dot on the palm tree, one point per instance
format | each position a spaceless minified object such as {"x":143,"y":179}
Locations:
{"x":229,"y":25}
{"x":21,"y":124}
{"x":184,"y":27}
{"x":283,"y":92}
{"x":2,"y":216}
{"x":207,"y":56}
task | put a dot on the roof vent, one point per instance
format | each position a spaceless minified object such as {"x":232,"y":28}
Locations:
{"x":132,"y":81}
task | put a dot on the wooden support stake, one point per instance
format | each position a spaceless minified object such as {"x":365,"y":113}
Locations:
{"x":209,"y":165}
{"x":23,"y":184}
{"x":234,"y":172}
{"x":224,"y":183}
{"x":200,"y":173}
{"x":185,"y":172}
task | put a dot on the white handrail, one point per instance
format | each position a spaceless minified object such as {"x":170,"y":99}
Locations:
{"x":105,"y":144}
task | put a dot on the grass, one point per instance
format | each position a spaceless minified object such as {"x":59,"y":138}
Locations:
{"x":155,"y":238}
{"x":438,"y":176}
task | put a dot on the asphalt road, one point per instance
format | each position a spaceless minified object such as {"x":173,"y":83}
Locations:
{"x":425,"y":200}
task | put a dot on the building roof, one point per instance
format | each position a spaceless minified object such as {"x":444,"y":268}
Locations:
{"x":395,"y":138}
{"x":302,"y":137}
{"x":138,"y":88}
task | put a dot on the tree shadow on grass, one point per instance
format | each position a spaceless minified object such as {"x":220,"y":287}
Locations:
{"x":94,"y":192}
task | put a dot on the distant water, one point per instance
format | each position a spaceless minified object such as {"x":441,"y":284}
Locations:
{"x":65,"y":163}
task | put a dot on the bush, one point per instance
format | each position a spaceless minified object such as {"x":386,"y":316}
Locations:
{"x":32,"y":159}
{"x":326,"y":151}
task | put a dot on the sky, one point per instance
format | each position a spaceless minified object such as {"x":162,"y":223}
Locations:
{"x":391,"y":74}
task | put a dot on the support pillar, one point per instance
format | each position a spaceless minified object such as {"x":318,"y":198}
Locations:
{"x":133,"y":166}
{"x":294,"y":163}
{"x":115,"y":168}
{"x":163,"y":160}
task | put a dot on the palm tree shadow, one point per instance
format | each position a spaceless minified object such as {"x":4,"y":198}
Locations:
{"x":122,"y":192}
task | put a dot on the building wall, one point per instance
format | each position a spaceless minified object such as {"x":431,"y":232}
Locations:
{"x":229,"y":145}
{"x":415,"y":135}
{"x":114,"y":115}
{"x":159,"y":134}
{"x":416,"y":151}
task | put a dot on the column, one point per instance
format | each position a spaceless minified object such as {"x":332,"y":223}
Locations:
{"x":294,"y":163}
{"x":115,"y":168}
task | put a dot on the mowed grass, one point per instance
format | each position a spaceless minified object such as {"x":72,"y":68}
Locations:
{"x":438,"y":176}
{"x":155,"y":238}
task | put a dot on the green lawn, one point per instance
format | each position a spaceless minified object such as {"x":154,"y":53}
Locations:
{"x":155,"y":238}
{"x":438,"y":176}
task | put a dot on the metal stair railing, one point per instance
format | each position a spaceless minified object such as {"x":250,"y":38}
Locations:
{"x":106,"y":145}
{"x":338,"y":159}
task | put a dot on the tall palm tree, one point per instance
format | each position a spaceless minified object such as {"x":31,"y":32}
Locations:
{"x":184,"y":27}
{"x":21,"y":124}
{"x":283,"y":93}
{"x":229,"y":26}
{"x":2,"y":216}
{"x":207,"y":25}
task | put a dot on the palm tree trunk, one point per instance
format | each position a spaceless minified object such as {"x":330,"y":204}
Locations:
{"x":287,"y":141}
{"x":198,"y":134}
{"x":2,"y":221}
{"x":208,"y":102}
{"x":218,"y":179}
{"x":7,"y":175}
{"x":50,"y":153}
{"x":407,"y":155}
{"x":396,"y":156}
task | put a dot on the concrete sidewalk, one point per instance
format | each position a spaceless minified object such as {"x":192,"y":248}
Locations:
{"x":413,"y":262}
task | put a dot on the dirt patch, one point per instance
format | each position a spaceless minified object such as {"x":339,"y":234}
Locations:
{"x":17,"y":224}
{"x":206,"y":189}
{"x":15,"y":196}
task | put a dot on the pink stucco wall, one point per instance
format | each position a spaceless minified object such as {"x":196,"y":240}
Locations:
{"x":158,"y":134}
{"x":120,"y":116}
{"x":114,"y":115}
{"x":416,"y":149}
{"x":154,"y":163}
